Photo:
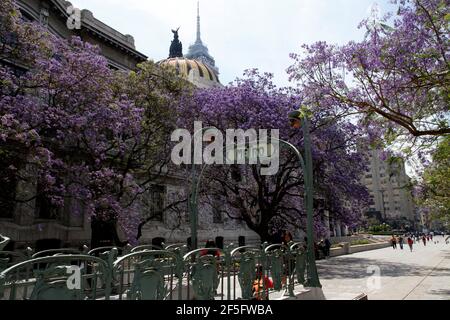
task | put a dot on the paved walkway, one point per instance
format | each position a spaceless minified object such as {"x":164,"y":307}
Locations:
{"x":423,"y":274}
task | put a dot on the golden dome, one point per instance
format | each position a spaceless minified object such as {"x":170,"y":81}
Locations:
{"x":185,"y":67}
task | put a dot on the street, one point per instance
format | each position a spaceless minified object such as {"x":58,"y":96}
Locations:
{"x":423,"y":274}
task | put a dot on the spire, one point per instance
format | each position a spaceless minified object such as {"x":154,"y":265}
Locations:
{"x":199,"y":40}
{"x":198,"y":51}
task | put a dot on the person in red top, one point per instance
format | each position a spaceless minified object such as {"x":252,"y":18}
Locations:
{"x":261,"y":286}
{"x":210,"y":244}
{"x":410,"y":243}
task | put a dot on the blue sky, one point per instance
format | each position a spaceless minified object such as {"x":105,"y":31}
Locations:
{"x":240,"y":34}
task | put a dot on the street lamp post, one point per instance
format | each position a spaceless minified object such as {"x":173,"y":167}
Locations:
{"x":193,"y":196}
{"x":299,"y":119}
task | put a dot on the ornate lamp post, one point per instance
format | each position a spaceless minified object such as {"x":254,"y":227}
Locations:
{"x":299,"y":119}
{"x":193,"y":196}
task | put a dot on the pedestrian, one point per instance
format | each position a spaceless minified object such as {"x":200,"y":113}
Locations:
{"x":316,"y":250}
{"x":327,"y":248}
{"x":410,"y":244}
{"x":400,"y":241}
{"x":287,"y":238}
{"x":394,"y":242}
{"x":261,"y":285}
{"x":210,"y":244}
{"x":424,"y":239}
{"x":322,"y":249}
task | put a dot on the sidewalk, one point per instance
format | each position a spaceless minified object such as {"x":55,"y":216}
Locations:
{"x":421,"y":274}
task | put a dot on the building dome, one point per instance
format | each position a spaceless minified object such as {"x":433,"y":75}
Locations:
{"x":195,"y":71}
{"x":198,"y":66}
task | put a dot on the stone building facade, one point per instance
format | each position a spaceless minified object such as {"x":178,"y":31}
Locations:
{"x":35,"y":221}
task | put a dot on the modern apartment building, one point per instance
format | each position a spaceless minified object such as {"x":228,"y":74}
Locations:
{"x":390,"y":192}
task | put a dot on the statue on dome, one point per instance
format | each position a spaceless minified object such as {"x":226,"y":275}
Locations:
{"x":176,"y":48}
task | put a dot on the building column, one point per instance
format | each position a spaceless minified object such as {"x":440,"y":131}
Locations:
{"x":338,"y":230}
{"x":344,"y":230}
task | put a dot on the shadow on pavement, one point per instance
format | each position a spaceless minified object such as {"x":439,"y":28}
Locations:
{"x":357,"y":268}
{"x":442,"y":292}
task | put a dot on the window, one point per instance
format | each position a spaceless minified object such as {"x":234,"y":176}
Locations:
{"x":217,"y":216}
{"x":43,"y":16}
{"x":44,"y":208}
{"x":217,"y":211}
{"x":8,"y":181}
{"x":26,"y":17}
{"x":153,"y":203}
{"x":8,"y":194}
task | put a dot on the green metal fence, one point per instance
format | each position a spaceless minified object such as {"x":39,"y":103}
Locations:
{"x":152,"y":273}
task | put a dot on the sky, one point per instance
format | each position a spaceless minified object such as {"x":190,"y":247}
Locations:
{"x":240,"y":34}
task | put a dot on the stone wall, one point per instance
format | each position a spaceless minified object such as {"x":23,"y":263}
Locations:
{"x":347,"y":249}
{"x":336,"y":240}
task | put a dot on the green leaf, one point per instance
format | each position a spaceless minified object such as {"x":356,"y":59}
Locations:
{"x":447,"y":17}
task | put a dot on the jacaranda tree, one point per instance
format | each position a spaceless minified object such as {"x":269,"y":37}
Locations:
{"x":73,"y":132}
{"x":397,"y":78}
{"x":270,"y":203}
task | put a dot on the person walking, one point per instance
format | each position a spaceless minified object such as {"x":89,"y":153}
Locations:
{"x":287,"y":237}
{"x":394,"y":242}
{"x":400,"y":242}
{"x":327,"y":248}
{"x":322,"y":249}
{"x":410,"y":244}
{"x":424,"y":239}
